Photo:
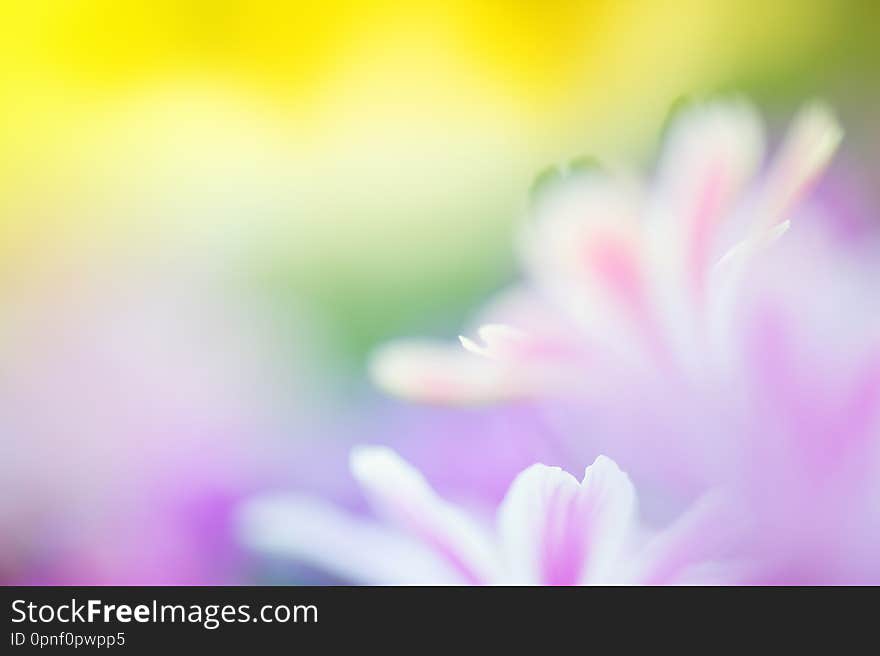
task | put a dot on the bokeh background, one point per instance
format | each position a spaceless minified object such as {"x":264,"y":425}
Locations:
{"x":211,"y":212}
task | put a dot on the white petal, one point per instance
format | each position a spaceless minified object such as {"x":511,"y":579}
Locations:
{"x":808,"y":148}
{"x":587,"y":253}
{"x":436,"y":372}
{"x":401,"y":495}
{"x":734,"y":261}
{"x":557,"y":245}
{"x":536,"y":333}
{"x":500,"y":342}
{"x":809,"y":145}
{"x":555,"y":530}
{"x":359,"y":551}
{"x":710,"y":155}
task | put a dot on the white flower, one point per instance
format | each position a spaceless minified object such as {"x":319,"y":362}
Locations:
{"x":550,"y":529}
{"x":623,"y":276}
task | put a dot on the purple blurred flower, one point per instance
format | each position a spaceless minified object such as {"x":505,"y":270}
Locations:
{"x":549,"y":530}
{"x":675,"y":331}
{"x":626,"y":279}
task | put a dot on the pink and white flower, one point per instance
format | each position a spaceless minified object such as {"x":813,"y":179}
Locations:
{"x":550,"y":529}
{"x":671,"y":327}
{"x":626,"y":276}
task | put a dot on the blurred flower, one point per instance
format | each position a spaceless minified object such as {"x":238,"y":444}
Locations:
{"x":677,"y":333}
{"x":624,"y":278}
{"x":631,"y":310}
{"x":549,"y":530}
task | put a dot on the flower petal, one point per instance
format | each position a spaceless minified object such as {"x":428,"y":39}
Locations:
{"x":809,"y":145}
{"x":695,"y":549}
{"x":710,"y":155}
{"x":556,"y":531}
{"x":401,"y":495}
{"x":584,"y":217}
{"x":500,"y":342}
{"x":316,"y":533}
{"x":437,"y":372}
{"x":586,"y":252}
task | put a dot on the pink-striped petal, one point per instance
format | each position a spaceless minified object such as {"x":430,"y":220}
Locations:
{"x":711,"y":154}
{"x":557,"y":531}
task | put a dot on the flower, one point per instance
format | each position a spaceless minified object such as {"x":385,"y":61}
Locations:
{"x":550,"y":529}
{"x":622,"y":278}
{"x":677,"y":332}
{"x":629,"y":330}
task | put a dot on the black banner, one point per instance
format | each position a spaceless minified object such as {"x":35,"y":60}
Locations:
{"x":287,"y":619}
